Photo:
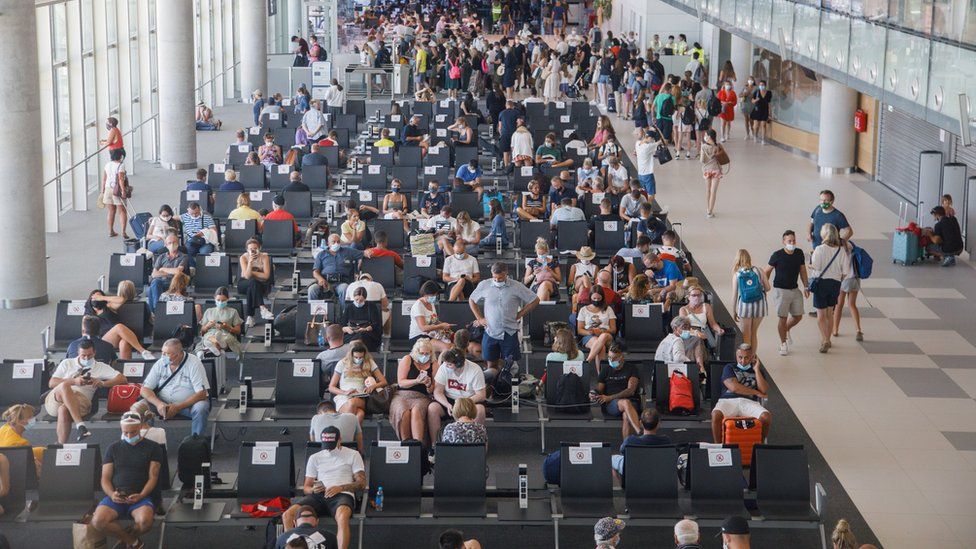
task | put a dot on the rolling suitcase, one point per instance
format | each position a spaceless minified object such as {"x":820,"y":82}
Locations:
{"x":904,"y":245}
{"x":746,"y":432}
{"x":139,"y":222}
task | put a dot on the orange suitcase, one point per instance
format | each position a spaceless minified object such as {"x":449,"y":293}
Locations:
{"x":746,"y":432}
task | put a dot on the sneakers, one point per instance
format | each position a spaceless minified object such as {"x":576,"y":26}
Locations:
{"x":209,"y":345}
{"x":688,"y":154}
{"x":948,"y":261}
{"x":249,"y":322}
{"x":784,"y":349}
{"x":147,"y":355}
{"x":859,"y":336}
{"x":83,"y":433}
{"x":266,"y":314}
{"x":709,"y":215}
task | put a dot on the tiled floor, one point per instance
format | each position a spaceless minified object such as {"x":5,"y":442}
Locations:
{"x":895,"y":415}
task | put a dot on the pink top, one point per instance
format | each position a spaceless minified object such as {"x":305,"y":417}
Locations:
{"x":114,"y":139}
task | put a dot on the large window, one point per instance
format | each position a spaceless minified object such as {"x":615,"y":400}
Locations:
{"x":915,"y":15}
{"x":955,"y":20}
{"x":796,"y":90}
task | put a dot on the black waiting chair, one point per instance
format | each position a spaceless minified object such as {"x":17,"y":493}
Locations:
{"x":423,"y":267}
{"x":280,"y":176}
{"x":396,"y":466}
{"x":650,"y":483}
{"x":585,"y":480}
{"x":382,"y":269}
{"x":410,"y":156}
{"x":316,"y":177}
{"x":236,"y":234}
{"x":395,"y":235}
{"x":253,"y":178}
{"x":467,"y":202}
{"x":298,"y":203}
{"x":375,"y":178}
{"x":297,"y":389}
{"x":170,"y":315}
{"x":716,"y":490}
{"x":459,"y":483}
{"x":643,"y":326}
{"x":265,"y":470}
{"x":530,"y":231}
{"x":780,"y":475}
{"x":572,"y":235}
{"x":545,"y":313}
{"x":662,"y":384}
{"x":212,"y":272}
{"x":278,"y":237}
{"x":66,"y":490}
{"x":608,"y":237}
{"x":23,"y":477}
{"x":21,"y":382}
{"x":128,"y":266}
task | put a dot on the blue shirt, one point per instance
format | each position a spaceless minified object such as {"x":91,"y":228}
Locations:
{"x":258,"y":105}
{"x":668,"y":273}
{"x":645,"y":440}
{"x":231,"y":186}
{"x":821,"y":218}
{"x":104,"y":351}
{"x":191,"y":379}
{"x":199,"y":186}
{"x":507,"y":118}
{"x":192,"y":226}
{"x":497,"y":229}
{"x":653,"y":228}
{"x":343,"y":262}
{"x":556,"y":196}
{"x":314,"y":159}
{"x":465,"y":174}
{"x":745,"y":377}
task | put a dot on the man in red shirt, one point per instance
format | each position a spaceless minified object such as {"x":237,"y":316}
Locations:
{"x":380,"y":250}
{"x":278,"y":213}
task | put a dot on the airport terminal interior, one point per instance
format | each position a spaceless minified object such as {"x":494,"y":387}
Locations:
{"x":488,"y":273}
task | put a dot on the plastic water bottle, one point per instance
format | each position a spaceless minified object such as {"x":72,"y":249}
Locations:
{"x":379,"y":498}
{"x":321,"y":339}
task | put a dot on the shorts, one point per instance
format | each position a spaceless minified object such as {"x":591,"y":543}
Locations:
{"x":788,"y":302}
{"x":327,"y":506}
{"x":468,"y":287}
{"x":125,"y":510}
{"x":850,"y":285}
{"x":613,"y":410}
{"x":739,"y":407}
{"x":647,"y":181}
{"x":603,"y":79}
{"x":827,"y":292}
{"x":496,"y":349}
{"x":712,"y":174}
{"x":51,"y":405}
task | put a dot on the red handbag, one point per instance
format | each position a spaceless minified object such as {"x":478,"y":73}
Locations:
{"x":122,"y":397}
{"x":268,"y":508}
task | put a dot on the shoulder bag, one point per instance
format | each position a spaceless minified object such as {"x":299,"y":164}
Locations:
{"x":815,"y":281}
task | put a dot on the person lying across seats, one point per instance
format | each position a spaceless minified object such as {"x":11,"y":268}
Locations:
{"x":744,"y":385}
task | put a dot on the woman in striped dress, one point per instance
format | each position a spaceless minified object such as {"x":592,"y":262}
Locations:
{"x":749,"y":287}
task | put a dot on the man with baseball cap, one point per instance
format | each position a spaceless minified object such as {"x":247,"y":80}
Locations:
{"x":606,"y":532}
{"x":130,"y":471}
{"x":686,"y":534}
{"x":332,"y":478}
{"x":307,"y":523}
{"x":735,"y":533}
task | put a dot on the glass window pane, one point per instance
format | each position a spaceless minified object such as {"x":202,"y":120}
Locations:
{"x":64,"y":183}
{"x":867,"y":57}
{"x":111,"y":21}
{"x":91,"y":166}
{"x":152,"y":14}
{"x":906,"y":65}
{"x":87,"y":25}
{"x":133,"y":18}
{"x":743,"y":15}
{"x":875,"y":10}
{"x":762,"y":18}
{"x":796,"y":90}
{"x":835,"y":32}
{"x":953,"y":72}
{"x":727,"y":11}
{"x":841,"y":6}
{"x":59,"y":33}
{"x":62,"y":98}
{"x":113,"y":80}
{"x":806,"y":31}
{"x":134,"y":67}
{"x":956,"y":20}
{"x":782,"y":21}
{"x":911,"y":14}
{"x":88,"y":67}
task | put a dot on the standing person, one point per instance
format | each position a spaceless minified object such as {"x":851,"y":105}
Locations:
{"x":849,"y":288}
{"x":829,"y":265}
{"x":826,"y":213}
{"x":550,"y":90}
{"x":114,"y":172}
{"x":745,"y":97}
{"x":790,"y":264}
{"x":335,"y":99}
{"x":114,"y":139}
{"x":749,"y":287}
{"x":664,"y":107}
{"x":729,"y":99}
{"x":506,"y":301}
{"x":711,"y":170}
{"x":760,"y":112}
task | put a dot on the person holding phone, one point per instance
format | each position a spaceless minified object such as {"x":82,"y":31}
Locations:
{"x":461,"y":272}
{"x":73,"y":385}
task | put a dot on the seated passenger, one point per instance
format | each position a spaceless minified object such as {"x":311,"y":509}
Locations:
{"x":461,"y":273}
{"x":326,"y":416}
{"x":424,"y":321}
{"x":464,"y":429}
{"x":230,"y":182}
{"x":498,"y":233}
{"x":15,"y":421}
{"x":306,"y":531}
{"x":650,"y":420}
{"x":220,"y":327}
{"x":704,"y":326}
{"x":362,"y":321}
{"x":415,"y":377}
{"x":120,"y":336}
{"x":160,"y":226}
{"x":456,"y":378}
{"x":255,"y":280}
{"x":946,"y":237}
{"x":566,"y":211}
{"x":295,"y":184}
{"x":90,"y":328}
{"x":355,"y":376}
{"x":596,"y":324}
{"x":199,"y":231}
{"x":470,"y":174}
{"x":618,"y":391}
{"x":73,"y":385}
{"x":182,"y":386}
{"x":744,"y":385}
{"x":672,"y":348}
{"x":542,"y":274}
{"x":244,"y":212}
{"x":534,"y":205}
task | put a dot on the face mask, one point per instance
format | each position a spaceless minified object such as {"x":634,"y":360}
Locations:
{"x":825,"y":205}
{"x":743,"y":367}
{"x":134,"y":439}
{"x":198,"y":216}
{"x":432,"y":299}
{"x":727,"y":87}
{"x":585,"y":261}
{"x":685,"y":334}
{"x":615,"y":364}
{"x":395,"y":189}
{"x":166,"y":218}
{"x":762,"y":88}
{"x":423,"y":358}
{"x":433,"y":190}
{"x":164,"y":361}
{"x":459,"y":256}
{"x":357,"y":361}
{"x":498,"y":283}
{"x":220,"y":304}
{"x":752,"y":82}
{"x":597,"y":303}
{"x":359,"y":304}
{"x":549,"y":143}
{"x":695,"y":300}
{"x":334,"y":248}
{"x":790,"y":247}
{"x":86,"y":362}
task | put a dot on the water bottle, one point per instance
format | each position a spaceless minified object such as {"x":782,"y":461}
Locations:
{"x":379,"y":498}
{"x":321,"y":339}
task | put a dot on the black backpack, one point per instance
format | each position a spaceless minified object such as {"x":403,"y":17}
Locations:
{"x":667,"y":108}
{"x":185,"y":334}
{"x":714,"y":106}
{"x":571,"y":394}
{"x":383,"y":56}
{"x":501,"y":388}
{"x":688,"y":116}
{"x":193,"y":452}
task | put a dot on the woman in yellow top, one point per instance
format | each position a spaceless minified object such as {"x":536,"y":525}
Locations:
{"x":15,"y":420}
{"x":243,"y":211}
{"x":353,"y":230}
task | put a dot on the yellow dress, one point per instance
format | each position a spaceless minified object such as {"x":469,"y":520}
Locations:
{"x":10,"y":438}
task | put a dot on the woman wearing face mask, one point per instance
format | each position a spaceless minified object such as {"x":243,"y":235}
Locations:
{"x":394,"y":202}
{"x":761,"y":114}
{"x":542,"y":272}
{"x":220,"y":327}
{"x":498,"y":230}
{"x":550,"y":90}
{"x":362,"y":321}
{"x":159,"y":227}
{"x":711,"y":170}
{"x":702,"y":319}
{"x":729,"y":99}
{"x":120,"y":336}
{"x":356,"y":374}
{"x":622,"y":272}
{"x":114,"y":139}
{"x":269,"y":153}
{"x":415,"y":378}
{"x":424,"y":321}
{"x":749,"y":288}
{"x":596,"y":324}
{"x":745,"y":98}
{"x":583,"y":273}
{"x":15,"y":420}
{"x":254,"y":281}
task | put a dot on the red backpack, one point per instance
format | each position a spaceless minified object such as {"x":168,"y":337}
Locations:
{"x":680,"y":398}
{"x":122,"y":397}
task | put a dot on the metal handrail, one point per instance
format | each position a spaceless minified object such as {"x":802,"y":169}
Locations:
{"x":218,"y":75}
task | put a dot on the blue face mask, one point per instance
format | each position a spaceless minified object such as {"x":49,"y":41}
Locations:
{"x":358,"y":304}
{"x":423,"y":358}
{"x":86,"y":362}
{"x":432,"y":299}
{"x":134,"y":439}
{"x":164,"y":361}
{"x":220,"y":304}
{"x":743,"y":367}
{"x":615,"y":364}
{"x":685,"y":334}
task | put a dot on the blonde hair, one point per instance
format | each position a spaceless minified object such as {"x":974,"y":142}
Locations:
{"x":742,"y":260}
{"x":18,"y":411}
{"x":230,"y":175}
{"x":415,"y":350}
{"x":127,"y":290}
{"x":638,"y":288}
{"x":691,"y":281}
{"x":541,"y":244}
{"x":243,"y":200}
{"x":464,"y":407}
{"x":178,"y":284}
{"x":829,"y":235}
{"x":843,"y":537}
{"x":564,"y":342}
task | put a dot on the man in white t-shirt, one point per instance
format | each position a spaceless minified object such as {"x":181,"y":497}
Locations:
{"x":672,"y":347}
{"x":73,"y":385}
{"x":646,"y":149}
{"x":456,"y":377}
{"x":375,"y":292}
{"x":332,"y":478}
{"x":461,"y":273}
{"x":617,"y":174}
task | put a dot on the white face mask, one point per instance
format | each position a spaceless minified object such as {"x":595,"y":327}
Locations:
{"x":790,"y":247}
{"x":460,"y":255}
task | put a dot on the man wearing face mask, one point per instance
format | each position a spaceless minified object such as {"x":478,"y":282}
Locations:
{"x":165,"y":267}
{"x":790,"y":264}
{"x":73,"y":385}
{"x":744,"y":385}
{"x":130,"y":471}
{"x":666,"y":273}
{"x":824,"y":213}
{"x":735,"y":533}
{"x":672,"y":347}
{"x":433,"y":201}
{"x":195,"y":222}
{"x":549,"y":153}
{"x":177,"y":385}
{"x":617,"y":391}
{"x":506,"y":301}
{"x":334,"y":268}
{"x":461,"y":273}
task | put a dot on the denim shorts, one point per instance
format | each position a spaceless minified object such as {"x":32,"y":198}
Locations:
{"x":604,"y":79}
{"x":125,"y":509}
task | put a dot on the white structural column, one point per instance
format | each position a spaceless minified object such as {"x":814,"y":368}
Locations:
{"x":23,"y":279}
{"x":295,"y":26}
{"x":254,"y":47}
{"x":837,"y":137}
{"x":177,"y":127}
{"x":741,"y":56}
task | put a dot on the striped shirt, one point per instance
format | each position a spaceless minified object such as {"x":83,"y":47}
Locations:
{"x":193,"y":226}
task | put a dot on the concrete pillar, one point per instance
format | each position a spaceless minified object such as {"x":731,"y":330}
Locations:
{"x":177,"y":126}
{"x":23,"y":277}
{"x":837,"y":136}
{"x":254,"y":47}
{"x":741,"y":56}
{"x":296,"y":26}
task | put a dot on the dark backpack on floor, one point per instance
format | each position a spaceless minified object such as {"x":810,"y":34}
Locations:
{"x":502,"y":386}
{"x":185,"y":334}
{"x":551,"y":468}
{"x":571,"y":395}
{"x":193,"y":452}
